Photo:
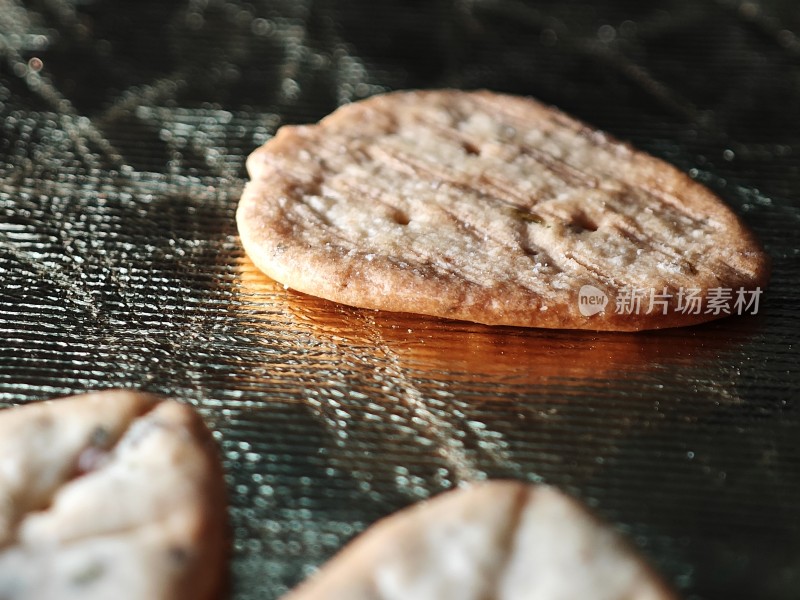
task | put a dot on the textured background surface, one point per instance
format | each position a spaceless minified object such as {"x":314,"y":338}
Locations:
{"x":124,"y":131}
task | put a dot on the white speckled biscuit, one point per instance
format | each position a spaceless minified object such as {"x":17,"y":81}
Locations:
{"x":110,"y":495}
{"x":496,"y":540}
{"x":489,"y":208}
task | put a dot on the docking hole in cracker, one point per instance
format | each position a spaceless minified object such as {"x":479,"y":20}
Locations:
{"x":495,"y":209}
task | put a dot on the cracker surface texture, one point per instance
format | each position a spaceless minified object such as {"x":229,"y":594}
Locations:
{"x":499,"y":540}
{"x":110,"y":495}
{"x":490,"y":208}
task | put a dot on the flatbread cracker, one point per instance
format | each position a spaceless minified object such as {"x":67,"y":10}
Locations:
{"x":499,"y":540}
{"x":110,"y":495}
{"x":495,"y":209}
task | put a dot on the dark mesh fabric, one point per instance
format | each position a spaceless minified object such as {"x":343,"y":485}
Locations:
{"x":125,"y":126}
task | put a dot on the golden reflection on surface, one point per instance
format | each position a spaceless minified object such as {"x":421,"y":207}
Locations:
{"x":451,"y":401}
{"x":454,"y":349}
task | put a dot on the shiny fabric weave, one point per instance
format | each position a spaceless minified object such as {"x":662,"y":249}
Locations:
{"x":124,"y":127}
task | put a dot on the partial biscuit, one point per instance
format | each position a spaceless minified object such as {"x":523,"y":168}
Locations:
{"x":495,"y":209}
{"x":110,"y":495}
{"x":496,"y":540}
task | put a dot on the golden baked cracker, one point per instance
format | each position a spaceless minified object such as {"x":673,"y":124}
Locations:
{"x":110,"y":495}
{"x":495,"y":209}
{"x":501,"y":540}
